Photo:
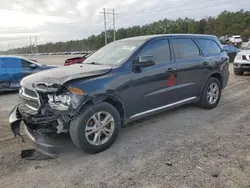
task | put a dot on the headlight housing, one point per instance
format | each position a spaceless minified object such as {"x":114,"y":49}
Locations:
{"x":59,"y":102}
{"x":70,"y":98}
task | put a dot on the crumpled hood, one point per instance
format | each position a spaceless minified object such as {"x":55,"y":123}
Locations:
{"x":58,"y":76}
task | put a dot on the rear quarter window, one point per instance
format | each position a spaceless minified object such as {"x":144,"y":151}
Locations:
{"x":210,"y":46}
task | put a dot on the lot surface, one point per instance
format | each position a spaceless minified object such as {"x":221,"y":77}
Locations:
{"x":185,"y":148}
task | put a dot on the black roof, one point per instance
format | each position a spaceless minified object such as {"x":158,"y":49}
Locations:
{"x":148,"y":37}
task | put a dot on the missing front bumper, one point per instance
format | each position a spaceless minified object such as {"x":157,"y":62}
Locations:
{"x":44,"y":144}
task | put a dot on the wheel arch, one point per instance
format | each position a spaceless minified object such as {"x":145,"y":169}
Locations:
{"x":111,"y":99}
{"x":218,"y":76}
{"x":215,"y":75}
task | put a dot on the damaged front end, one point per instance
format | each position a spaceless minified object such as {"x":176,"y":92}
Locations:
{"x":46,"y":111}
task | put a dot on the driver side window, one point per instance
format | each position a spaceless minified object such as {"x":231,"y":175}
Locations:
{"x":159,"y":49}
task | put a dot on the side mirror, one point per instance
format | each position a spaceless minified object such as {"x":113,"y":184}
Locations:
{"x":225,"y":50}
{"x":144,"y":61}
{"x":33,"y":66}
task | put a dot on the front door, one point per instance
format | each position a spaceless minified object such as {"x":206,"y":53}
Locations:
{"x":152,"y":86}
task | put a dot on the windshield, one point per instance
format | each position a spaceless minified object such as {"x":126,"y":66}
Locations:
{"x":114,"y":53}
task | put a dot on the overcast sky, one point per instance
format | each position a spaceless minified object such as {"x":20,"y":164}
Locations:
{"x":62,"y":20}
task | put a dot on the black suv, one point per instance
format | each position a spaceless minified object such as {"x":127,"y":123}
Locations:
{"x":125,"y":80}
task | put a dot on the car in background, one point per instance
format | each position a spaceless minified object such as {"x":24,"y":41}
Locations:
{"x":236,"y":40}
{"x":15,"y":68}
{"x":33,"y":59}
{"x":76,"y":60}
{"x":242,"y":61}
{"x":224,"y":39}
{"x":231,"y":50}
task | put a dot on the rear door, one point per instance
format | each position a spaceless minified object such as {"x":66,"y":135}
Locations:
{"x":14,"y":69}
{"x":190,"y":62}
{"x":4,"y":75}
{"x":212,"y":50}
{"x":152,"y":86}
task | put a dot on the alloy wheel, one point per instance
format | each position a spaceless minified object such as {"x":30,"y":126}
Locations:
{"x":99,"y":128}
{"x":213,"y":93}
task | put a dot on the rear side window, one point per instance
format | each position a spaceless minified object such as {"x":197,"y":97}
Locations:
{"x":210,"y":46}
{"x":25,"y":64}
{"x":159,"y":49}
{"x":12,"y":63}
{"x":185,"y":48}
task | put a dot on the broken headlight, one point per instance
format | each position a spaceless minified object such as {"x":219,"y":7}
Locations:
{"x":59,"y":102}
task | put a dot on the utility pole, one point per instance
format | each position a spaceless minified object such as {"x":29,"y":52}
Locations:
{"x":9,"y":48}
{"x":105,"y":22}
{"x":114,"y":22}
{"x":36,"y":44}
{"x":31,"y":47}
{"x":13,"y":49}
{"x":105,"y":30}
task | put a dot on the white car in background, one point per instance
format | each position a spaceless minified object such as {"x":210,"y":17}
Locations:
{"x":236,"y":40}
{"x":242,"y":61}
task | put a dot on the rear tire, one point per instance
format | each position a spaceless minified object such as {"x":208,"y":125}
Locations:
{"x":88,"y":131}
{"x":237,"y":72}
{"x":211,"y":94}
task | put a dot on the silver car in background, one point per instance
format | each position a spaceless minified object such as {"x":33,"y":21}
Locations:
{"x":242,"y":61}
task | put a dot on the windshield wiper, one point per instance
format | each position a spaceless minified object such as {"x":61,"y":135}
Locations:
{"x":94,"y":63}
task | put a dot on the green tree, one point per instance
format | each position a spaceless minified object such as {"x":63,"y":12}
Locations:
{"x":225,"y":23}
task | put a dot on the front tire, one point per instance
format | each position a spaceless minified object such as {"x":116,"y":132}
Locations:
{"x":237,"y":72}
{"x":211,"y":94}
{"x":95,"y":128}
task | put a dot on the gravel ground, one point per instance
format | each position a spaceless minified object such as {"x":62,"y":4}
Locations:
{"x":186,"y":148}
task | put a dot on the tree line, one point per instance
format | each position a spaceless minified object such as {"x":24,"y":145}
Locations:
{"x":226,"y":23}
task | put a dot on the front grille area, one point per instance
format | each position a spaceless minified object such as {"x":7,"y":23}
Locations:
{"x":245,"y":65}
{"x":22,"y":107}
{"x":30,"y":92}
{"x":245,"y":57}
{"x":29,"y":99}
